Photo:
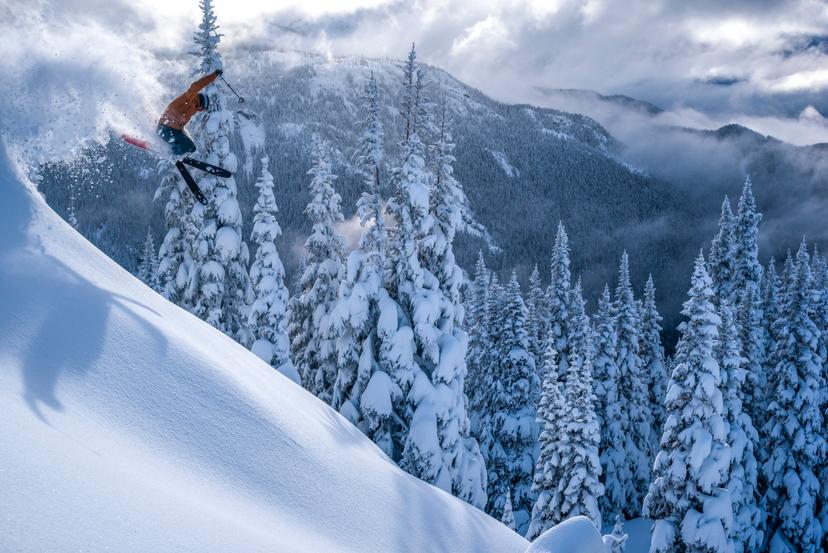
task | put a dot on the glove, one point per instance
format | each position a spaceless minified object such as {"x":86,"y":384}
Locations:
{"x":219,"y":72}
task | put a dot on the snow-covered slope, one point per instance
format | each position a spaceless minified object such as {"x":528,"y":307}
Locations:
{"x":128,"y":425}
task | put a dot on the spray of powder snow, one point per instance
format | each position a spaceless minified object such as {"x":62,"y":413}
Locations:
{"x":69,"y":79}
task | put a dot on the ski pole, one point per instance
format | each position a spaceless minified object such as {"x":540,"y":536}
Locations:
{"x":241,"y":98}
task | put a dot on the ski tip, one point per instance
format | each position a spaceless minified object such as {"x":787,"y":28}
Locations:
{"x":135,"y":141}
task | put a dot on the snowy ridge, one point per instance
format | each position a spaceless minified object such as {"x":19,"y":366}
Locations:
{"x":134,"y":426}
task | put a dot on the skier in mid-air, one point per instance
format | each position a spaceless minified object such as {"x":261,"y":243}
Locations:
{"x":171,"y":130}
{"x":180,"y":111}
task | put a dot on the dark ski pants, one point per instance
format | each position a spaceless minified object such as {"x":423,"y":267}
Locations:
{"x":180,"y":143}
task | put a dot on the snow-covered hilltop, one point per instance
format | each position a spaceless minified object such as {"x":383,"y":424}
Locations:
{"x":127,"y":424}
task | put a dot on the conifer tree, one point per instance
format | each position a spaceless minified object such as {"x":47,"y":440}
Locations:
{"x":312,"y":349}
{"x":580,"y":331}
{"x":688,"y":501}
{"x":536,"y":318}
{"x":742,"y":437}
{"x":267,"y":316}
{"x":72,"y":215}
{"x":148,"y":267}
{"x":580,"y":487}
{"x":450,"y":212}
{"x":771,"y":309}
{"x":508,"y":518}
{"x":421,"y":341}
{"x":721,"y":260}
{"x":513,"y":386}
{"x":608,"y":408}
{"x":477,"y":321}
{"x":794,"y":428}
{"x":219,"y":286}
{"x":788,"y":276}
{"x":355,"y":318}
{"x":551,"y":442}
{"x":617,"y":541}
{"x":175,"y":261}
{"x":820,"y":318}
{"x":488,"y":365}
{"x":652,"y":361}
{"x":747,"y":281}
{"x":557,"y":299}
{"x":633,"y":395}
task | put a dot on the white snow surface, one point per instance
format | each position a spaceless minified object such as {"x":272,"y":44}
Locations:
{"x":574,"y":535}
{"x":127,"y":424}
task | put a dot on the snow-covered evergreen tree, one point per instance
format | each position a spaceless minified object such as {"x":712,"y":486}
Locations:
{"x":312,"y":348}
{"x":633,"y":396}
{"x":617,"y":541}
{"x":580,"y":331}
{"x":508,"y":518}
{"x":688,"y":500}
{"x":551,"y":440}
{"x":608,"y":408}
{"x":477,"y":321}
{"x":207,"y":39}
{"x":536,"y":318}
{"x":72,"y":212}
{"x":219,"y":285}
{"x":580,"y":472}
{"x":747,"y":281}
{"x":148,"y":267}
{"x":741,"y":435}
{"x":557,"y":299}
{"x":175,"y":261}
{"x":354,"y":320}
{"x":267,"y":316}
{"x":421,"y":343}
{"x":450,"y":211}
{"x":771,"y":310}
{"x":794,"y":428}
{"x":652,"y":361}
{"x":788,"y":276}
{"x":488,"y":365}
{"x":512,"y":386}
{"x":721,"y":261}
{"x":820,"y":318}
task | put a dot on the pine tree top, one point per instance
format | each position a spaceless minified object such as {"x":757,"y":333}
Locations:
{"x":746,"y":256}
{"x":580,"y":339}
{"x":534,"y":278}
{"x":265,"y":227}
{"x":560,"y":273}
{"x":747,"y":214}
{"x":624,"y":287}
{"x":481,"y":272}
{"x":207,"y":39}
{"x":701,"y":329}
{"x":605,"y":303}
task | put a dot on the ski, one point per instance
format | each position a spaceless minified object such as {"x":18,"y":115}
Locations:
{"x":147,"y":146}
{"x":181,"y":164}
{"x":191,"y":183}
{"x":207,"y":167}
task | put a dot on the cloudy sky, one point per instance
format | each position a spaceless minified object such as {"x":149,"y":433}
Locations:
{"x":758,"y":62}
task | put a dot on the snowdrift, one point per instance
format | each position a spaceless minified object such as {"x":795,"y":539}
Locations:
{"x":126,"y":424}
{"x":575,"y":535}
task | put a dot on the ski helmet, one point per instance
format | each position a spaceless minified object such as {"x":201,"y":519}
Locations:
{"x":203,"y":101}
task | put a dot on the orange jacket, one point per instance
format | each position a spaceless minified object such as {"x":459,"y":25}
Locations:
{"x":182,"y":109}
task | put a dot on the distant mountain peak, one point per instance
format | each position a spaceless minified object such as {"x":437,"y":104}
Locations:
{"x":621,"y":100}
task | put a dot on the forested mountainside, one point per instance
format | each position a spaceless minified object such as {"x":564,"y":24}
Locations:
{"x":524,"y":169}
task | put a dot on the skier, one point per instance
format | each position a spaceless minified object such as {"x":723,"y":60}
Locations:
{"x":180,"y":111}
